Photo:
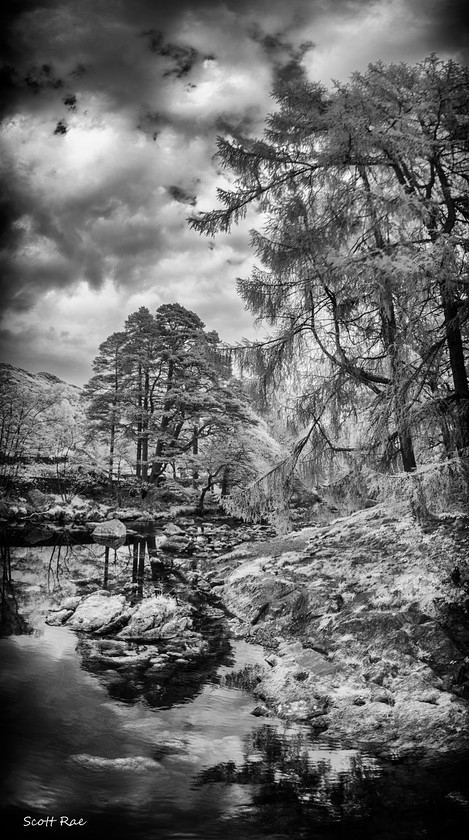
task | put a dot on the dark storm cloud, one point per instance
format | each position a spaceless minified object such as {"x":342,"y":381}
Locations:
{"x":180,"y":194}
{"x":60,"y":44}
{"x":110,"y":112}
{"x":86,"y":237}
{"x":447,"y":25}
{"x":60,"y":55}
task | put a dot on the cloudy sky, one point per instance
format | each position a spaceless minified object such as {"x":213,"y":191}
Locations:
{"x":109,"y":117}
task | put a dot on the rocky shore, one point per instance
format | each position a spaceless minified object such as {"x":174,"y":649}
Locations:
{"x":365,"y":624}
{"x":364,"y":621}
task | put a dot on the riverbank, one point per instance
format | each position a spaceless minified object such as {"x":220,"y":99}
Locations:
{"x":365,"y":624}
{"x":364,"y":621}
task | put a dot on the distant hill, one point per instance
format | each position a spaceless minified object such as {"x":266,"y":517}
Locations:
{"x":41,"y":417}
{"x":39,"y":381}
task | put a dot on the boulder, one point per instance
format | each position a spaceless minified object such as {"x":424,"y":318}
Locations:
{"x":39,"y":500}
{"x":156,"y":618}
{"x":59,"y":617}
{"x":172,"y":529}
{"x":174,"y":545}
{"x":34,"y":534}
{"x":261,"y":711}
{"x":112,"y":533}
{"x":443,"y":656}
{"x":129,"y":514}
{"x":99,"y":612}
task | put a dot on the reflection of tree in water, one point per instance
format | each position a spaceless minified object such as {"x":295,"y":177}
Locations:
{"x":291,"y":791}
{"x":88,"y":566}
{"x":11,"y":622}
{"x":57,"y":565}
{"x":158,"y":672}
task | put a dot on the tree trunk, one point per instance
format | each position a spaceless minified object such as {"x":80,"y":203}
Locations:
{"x":158,"y":467}
{"x":144,"y":455}
{"x":458,"y":365}
{"x":111,"y":448}
{"x":138,"y":465}
{"x":195,"y":451}
{"x":407,"y":450}
{"x":390,"y":341}
{"x":225,"y":482}
{"x":145,"y":425}
{"x":203,"y":493}
{"x":389,"y":328}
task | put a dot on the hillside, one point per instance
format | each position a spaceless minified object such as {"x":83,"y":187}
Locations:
{"x":37,"y":381}
{"x":40,"y":417}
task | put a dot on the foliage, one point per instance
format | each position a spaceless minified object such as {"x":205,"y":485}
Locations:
{"x":268,"y":496}
{"x":40,"y":420}
{"x":432,"y":489}
{"x":165,"y":385}
{"x":362,"y":193}
{"x":103,"y":397}
{"x":230,"y":460}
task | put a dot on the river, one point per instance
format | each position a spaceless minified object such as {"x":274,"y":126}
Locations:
{"x":195,"y":764}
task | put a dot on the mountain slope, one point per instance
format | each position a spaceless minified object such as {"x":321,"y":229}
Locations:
{"x":40,"y":416}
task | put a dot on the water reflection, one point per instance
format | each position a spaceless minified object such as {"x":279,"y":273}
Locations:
{"x":174,"y":752}
{"x":159,"y":673}
{"x":11,"y":621}
{"x":163,"y":681}
{"x":296,"y":785}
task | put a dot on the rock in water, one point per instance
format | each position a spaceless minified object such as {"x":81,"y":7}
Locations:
{"x":99,"y":611}
{"x":39,"y":500}
{"x":171,"y":529}
{"x":34,"y":534}
{"x":260,"y":711}
{"x":111,"y":533}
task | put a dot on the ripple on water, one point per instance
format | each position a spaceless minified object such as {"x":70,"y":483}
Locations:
{"x":203,"y":768}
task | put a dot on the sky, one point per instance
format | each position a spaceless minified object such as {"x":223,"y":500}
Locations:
{"x":110,"y":111}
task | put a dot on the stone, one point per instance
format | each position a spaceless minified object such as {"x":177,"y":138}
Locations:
{"x":172,"y":529}
{"x":59,"y":617}
{"x":444,"y":656}
{"x":156,"y":618}
{"x":112,"y":530}
{"x":98,"y":611}
{"x":174,"y":545}
{"x":260,"y":711}
{"x":38,"y":499}
{"x":127,"y":513}
{"x":315,"y":663}
{"x":70,"y":603}
{"x":34,"y":534}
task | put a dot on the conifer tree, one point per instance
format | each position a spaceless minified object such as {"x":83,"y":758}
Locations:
{"x":104,"y":394}
{"x":363,"y":196}
{"x":165,"y":383}
{"x":143,"y":365}
{"x":194,"y":399}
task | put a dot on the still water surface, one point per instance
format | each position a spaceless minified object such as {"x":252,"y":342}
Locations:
{"x":200,"y":767}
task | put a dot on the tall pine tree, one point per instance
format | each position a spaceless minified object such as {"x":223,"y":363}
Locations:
{"x":104,"y":395}
{"x":363,"y":195}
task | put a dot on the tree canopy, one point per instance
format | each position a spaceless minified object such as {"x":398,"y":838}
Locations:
{"x":164,"y":384}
